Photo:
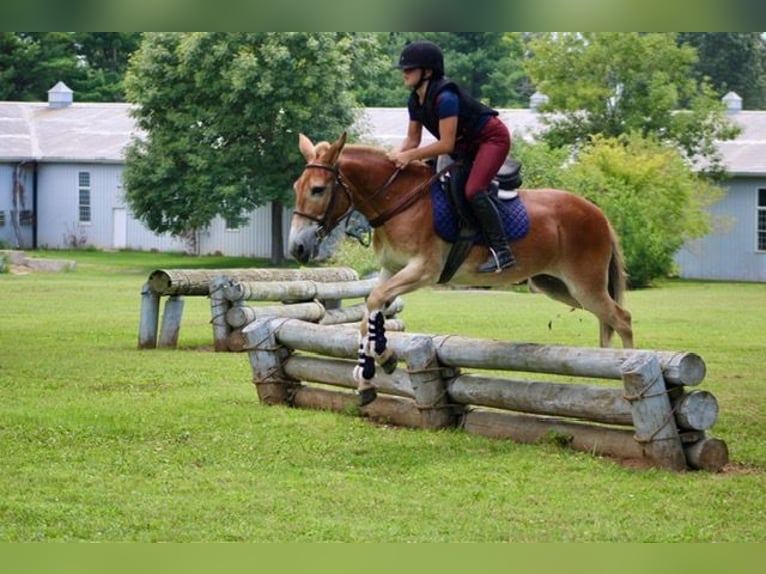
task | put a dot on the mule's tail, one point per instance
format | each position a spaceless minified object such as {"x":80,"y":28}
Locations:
{"x":617,"y":276}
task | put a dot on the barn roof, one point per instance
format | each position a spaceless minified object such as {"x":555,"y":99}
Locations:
{"x":84,"y":132}
{"x":99,"y":133}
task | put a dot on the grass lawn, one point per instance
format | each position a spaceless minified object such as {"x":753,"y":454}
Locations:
{"x":103,"y":442}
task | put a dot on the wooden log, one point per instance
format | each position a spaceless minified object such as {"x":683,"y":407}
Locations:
{"x":294,"y":291}
{"x":463,"y":352}
{"x":266,"y":359}
{"x":595,"y":439}
{"x":241,"y":315}
{"x":149,"y":320}
{"x":355,"y":313}
{"x":219,"y":306}
{"x":428,"y":384}
{"x":652,"y":414}
{"x":710,"y":454}
{"x":196,"y":281}
{"x":391,"y":325}
{"x":697,"y":410}
{"x":388,"y":409}
{"x":339,"y":372}
{"x":597,"y":404}
{"x":680,"y":368}
{"x":171,"y":322}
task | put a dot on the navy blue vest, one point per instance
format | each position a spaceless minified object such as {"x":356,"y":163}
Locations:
{"x":471,"y":116}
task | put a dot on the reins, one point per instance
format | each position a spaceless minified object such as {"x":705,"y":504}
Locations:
{"x":419,"y":191}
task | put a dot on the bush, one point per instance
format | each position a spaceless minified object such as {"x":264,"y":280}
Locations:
{"x":350,"y":253}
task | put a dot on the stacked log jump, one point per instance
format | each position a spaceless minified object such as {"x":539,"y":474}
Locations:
{"x":651,"y":418}
{"x":313,"y":295}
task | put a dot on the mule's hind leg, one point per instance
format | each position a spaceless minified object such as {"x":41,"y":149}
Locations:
{"x":595,"y":299}
{"x":611,"y":317}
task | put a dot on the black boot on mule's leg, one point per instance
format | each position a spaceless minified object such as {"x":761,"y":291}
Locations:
{"x":500,"y":256}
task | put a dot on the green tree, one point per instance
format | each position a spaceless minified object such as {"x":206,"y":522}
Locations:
{"x":487,"y":64}
{"x":104,"y":56}
{"x":617,"y":83}
{"x":32,"y":62}
{"x":733,"y":61}
{"x":91,"y":64}
{"x":221,"y":113}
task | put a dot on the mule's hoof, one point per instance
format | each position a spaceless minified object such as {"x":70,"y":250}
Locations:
{"x":366,"y":396}
{"x":389,"y":366}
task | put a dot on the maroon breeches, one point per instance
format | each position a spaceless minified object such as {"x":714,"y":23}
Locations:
{"x":490,"y":151}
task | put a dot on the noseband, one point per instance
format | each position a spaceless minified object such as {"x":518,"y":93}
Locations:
{"x":326,"y":224}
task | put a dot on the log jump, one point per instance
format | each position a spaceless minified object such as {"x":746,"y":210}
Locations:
{"x":652,"y":417}
{"x":237,"y":297}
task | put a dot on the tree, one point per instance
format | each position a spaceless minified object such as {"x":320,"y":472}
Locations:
{"x":488,"y":64}
{"x":618,"y":83}
{"x":733,"y":61}
{"x":221,"y":113}
{"x":104,"y":56}
{"x":91,"y":64}
{"x":32,"y":62}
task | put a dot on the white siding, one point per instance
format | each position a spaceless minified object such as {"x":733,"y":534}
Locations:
{"x":251,"y":240}
{"x":58,"y":213}
{"x":729,"y":252}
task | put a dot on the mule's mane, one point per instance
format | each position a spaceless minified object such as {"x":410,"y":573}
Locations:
{"x":364,"y":153}
{"x":365,"y":149}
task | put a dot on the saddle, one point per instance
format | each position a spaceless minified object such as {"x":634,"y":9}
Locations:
{"x":453,"y":218}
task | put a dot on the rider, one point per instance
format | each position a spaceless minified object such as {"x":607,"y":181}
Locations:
{"x":463,"y":127}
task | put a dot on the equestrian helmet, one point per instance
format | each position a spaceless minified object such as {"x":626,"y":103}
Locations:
{"x":422,"y":54}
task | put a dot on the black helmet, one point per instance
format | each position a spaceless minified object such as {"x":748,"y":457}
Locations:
{"x":422,"y":54}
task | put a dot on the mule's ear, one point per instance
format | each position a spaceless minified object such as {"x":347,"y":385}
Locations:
{"x":306,"y":147}
{"x":337,"y":147}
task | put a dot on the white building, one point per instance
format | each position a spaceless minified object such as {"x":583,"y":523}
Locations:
{"x":61,"y":167}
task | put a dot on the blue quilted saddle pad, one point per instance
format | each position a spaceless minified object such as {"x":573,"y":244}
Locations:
{"x":512,"y":211}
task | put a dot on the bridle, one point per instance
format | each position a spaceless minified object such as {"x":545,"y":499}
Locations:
{"x":326,"y":224}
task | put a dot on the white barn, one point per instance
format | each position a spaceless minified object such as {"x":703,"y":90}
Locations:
{"x":61,"y":167}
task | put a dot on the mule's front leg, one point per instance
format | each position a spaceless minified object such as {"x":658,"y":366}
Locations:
{"x":372,"y":345}
{"x":376,"y":328}
{"x":364,"y":372}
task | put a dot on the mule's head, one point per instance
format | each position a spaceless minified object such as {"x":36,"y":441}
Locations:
{"x":321,"y":199}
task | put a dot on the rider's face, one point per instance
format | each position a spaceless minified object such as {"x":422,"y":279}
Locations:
{"x":411,"y":76}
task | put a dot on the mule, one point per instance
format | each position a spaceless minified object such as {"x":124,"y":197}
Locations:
{"x":570,"y":252}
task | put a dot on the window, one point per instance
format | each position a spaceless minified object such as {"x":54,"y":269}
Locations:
{"x":760,"y":228}
{"x":2,"y":218}
{"x":84,"y":196}
{"x":26,"y":217}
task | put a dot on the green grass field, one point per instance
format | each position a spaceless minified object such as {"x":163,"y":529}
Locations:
{"x":103,"y":442}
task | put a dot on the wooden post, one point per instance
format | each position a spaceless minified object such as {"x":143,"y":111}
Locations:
{"x":150,"y":316}
{"x":266,"y":359}
{"x":171,"y":321}
{"x":427,"y":383}
{"x":653,"y":419}
{"x":219,"y":305}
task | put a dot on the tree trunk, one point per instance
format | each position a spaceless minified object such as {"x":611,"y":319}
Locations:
{"x":277,"y":242}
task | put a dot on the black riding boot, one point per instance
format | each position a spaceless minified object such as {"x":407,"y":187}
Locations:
{"x":500,"y":256}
